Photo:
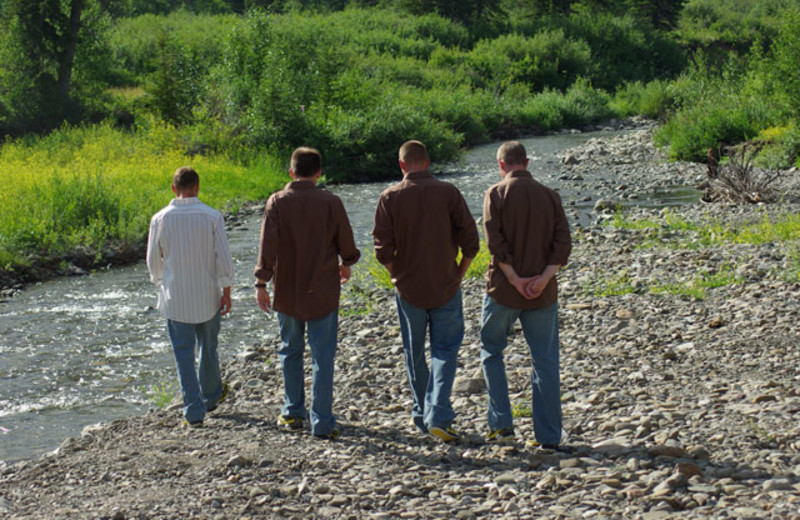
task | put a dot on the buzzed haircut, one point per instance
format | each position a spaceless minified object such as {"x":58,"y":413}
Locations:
{"x":413,"y":153}
{"x":306,"y":162}
{"x":185,"y":178}
{"x":512,"y":153}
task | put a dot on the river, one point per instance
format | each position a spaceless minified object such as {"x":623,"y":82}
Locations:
{"x":82,"y":350}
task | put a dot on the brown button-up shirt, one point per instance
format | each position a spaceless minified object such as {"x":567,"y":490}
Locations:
{"x":304,"y":234}
{"x":525,"y":227}
{"x":420,"y":224}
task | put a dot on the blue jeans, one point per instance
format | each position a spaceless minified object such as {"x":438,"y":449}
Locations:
{"x":432,"y":388}
{"x":540,"y":327}
{"x":322,"y":340}
{"x":201,"y":386}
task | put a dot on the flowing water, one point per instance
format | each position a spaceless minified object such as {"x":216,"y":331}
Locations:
{"x":83,"y":350}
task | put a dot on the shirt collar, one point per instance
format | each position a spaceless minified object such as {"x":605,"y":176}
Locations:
{"x":519,"y":174}
{"x":301,"y":184}
{"x":413,"y":176}
{"x":184,"y":201}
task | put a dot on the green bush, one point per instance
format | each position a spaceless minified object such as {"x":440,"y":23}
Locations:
{"x":651,"y":100}
{"x":622,"y":48}
{"x":549,"y":59}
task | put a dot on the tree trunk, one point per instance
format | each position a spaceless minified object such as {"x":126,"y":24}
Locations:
{"x":68,"y":54}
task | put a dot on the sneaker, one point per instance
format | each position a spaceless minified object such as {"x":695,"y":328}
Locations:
{"x":419,"y":427}
{"x":193,"y":424}
{"x":447,"y":434}
{"x":226,"y":389}
{"x":503,"y":434}
{"x":332,"y":436}
{"x":550,"y":447}
{"x":290,"y":423}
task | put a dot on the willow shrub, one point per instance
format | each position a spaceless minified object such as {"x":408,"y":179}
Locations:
{"x":93,"y":187}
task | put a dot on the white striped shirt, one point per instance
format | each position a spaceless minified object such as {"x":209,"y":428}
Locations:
{"x":189,"y":260}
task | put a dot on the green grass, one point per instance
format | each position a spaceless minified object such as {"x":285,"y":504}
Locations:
{"x":676,"y":232}
{"x":611,"y":285}
{"x":521,"y":410}
{"x":697,"y":286}
{"x":91,"y":187}
{"x":160,"y":394}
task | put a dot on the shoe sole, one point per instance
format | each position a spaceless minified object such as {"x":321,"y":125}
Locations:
{"x":442,"y":434}
{"x":293,"y":425}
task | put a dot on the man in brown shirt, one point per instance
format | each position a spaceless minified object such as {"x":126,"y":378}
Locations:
{"x":420,"y":224}
{"x":306,"y":249}
{"x":528,"y":237}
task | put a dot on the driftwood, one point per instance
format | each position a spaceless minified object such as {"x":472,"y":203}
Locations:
{"x":737,"y":180}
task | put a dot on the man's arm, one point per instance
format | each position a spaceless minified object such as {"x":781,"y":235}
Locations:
{"x":463,"y":266}
{"x":345,"y":243}
{"x":155,"y":263}
{"x":226,"y":303}
{"x":267,"y":254}
{"x":224,"y":265}
{"x":383,"y":236}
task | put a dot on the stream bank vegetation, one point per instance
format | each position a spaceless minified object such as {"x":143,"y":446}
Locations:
{"x":100,"y":101}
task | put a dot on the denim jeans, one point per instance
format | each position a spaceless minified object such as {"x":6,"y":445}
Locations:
{"x":322,"y":341}
{"x":201,"y":386}
{"x":432,"y":388}
{"x":540,"y":327}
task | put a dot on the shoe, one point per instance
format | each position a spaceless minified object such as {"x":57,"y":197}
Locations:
{"x":421,"y":428}
{"x":503,"y":434}
{"x":561,"y":448}
{"x":290,"y":423}
{"x":226,"y":389}
{"x":332,"y":436}
{"x":193,"y":424}
{"x":447,"y":434}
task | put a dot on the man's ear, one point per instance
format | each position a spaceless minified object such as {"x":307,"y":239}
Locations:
{"x":174,"y":189}
{"x":291,"y":174}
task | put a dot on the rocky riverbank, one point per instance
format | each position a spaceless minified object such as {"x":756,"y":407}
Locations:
{"x":680,"y":382}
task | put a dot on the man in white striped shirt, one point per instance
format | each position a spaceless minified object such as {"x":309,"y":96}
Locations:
{"x":190,"y":262}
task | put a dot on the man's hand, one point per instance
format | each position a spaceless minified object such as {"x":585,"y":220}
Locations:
{"x":226,"y":303}
{"x":262,"y":297}
{"x":344,"y":273}
{"x":535,"y":287}
{"x":537,"y":284}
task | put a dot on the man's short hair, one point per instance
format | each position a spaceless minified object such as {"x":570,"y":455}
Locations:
{"x":413,"y":153}
{"x":306,"y":162}
{"x":513,"y":153}
{"x":185,"y":178}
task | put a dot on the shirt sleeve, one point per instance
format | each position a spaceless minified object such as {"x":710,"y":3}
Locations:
{"x":466,"y":229}
{"x":493,"y":226}
{"x":383,"y":233}
{"x":155,"y":262}
{"x":224,"y":260}
{"x":562,"y":241}
{"x":268,"y":246}
{"x":348,"y":252}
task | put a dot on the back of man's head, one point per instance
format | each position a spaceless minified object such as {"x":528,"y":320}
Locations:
{"x":185,"y":179}
{"x":512,"y":153}
{"x":306,"y":162}
{"x":413,"y":154}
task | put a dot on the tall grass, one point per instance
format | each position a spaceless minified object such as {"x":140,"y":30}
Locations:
{"x":93,"y":187}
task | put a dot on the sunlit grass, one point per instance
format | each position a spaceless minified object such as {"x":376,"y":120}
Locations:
{"x":93,"y":186}
{"x":677,"y":232}
{"x":697,"y":286}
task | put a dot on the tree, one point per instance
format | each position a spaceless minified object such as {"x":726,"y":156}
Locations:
{"x":39,"y":44}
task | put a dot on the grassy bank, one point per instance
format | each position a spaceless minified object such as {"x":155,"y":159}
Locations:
{"x":83,"y":192}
